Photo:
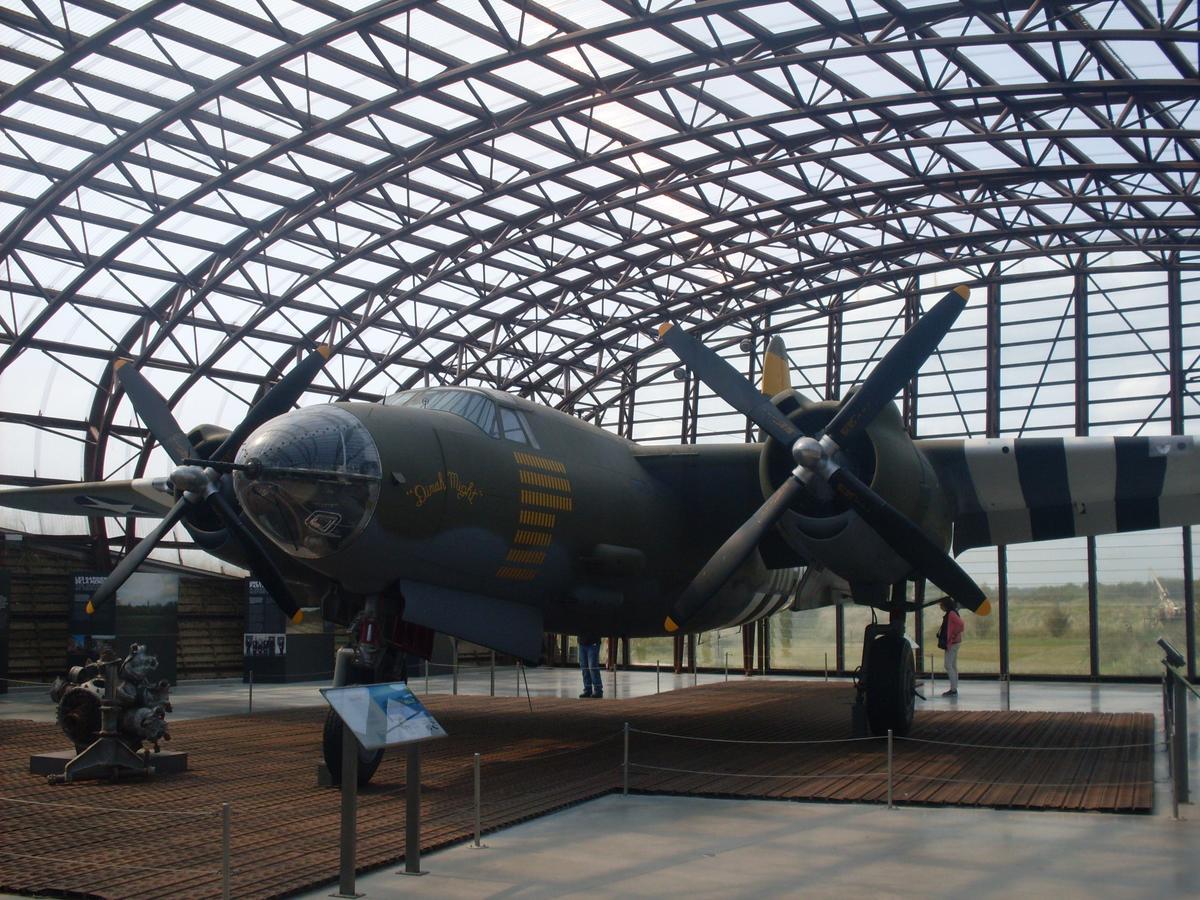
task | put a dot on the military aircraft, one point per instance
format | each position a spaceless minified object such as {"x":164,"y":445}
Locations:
{"x":490,"y":518}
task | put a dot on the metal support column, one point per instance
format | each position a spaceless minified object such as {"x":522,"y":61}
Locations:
{"x":412,"y":812}
{"x":1002,"y":606}
{"x":839,"y":629}
{"x":1093,"y":611}
{"x":1178,"y":381}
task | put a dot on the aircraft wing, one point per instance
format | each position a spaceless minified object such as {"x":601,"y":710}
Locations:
{"x":135,"y":497}
{"x":1012,"y":490}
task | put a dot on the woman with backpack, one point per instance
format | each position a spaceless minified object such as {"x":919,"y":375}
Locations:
{"x":949,"y":637}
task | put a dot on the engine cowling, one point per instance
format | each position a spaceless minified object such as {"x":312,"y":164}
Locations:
{"x":823,"y":529}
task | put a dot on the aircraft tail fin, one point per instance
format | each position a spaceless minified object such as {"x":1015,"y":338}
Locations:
{"x":776,"y":370}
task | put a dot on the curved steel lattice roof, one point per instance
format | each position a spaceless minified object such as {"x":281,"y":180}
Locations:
{"x":515,"y":194}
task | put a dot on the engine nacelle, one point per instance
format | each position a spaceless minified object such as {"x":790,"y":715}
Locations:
{"x":826,"y":531}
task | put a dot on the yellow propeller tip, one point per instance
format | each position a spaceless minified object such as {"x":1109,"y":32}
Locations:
{"x":298,"y":617}
{"x":670,"y":625}
{"x":91,"y":610}
{"x":963,"y":291}
{"x":985,"y":608}
{"x":663,"y":329}
{"x":325,"y":350}
{"x":119,"y":363}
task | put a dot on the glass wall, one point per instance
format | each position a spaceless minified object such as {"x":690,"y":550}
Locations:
{"x":804,"y":640}
{"x":1048,"y":608}
{"x":1140,"y":598}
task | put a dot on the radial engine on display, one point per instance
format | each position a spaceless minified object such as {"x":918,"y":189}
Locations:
{"x":140,"y":704}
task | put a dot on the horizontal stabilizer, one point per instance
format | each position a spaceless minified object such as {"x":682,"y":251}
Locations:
{"x":150,"y":497}
{"x":501,"y":625}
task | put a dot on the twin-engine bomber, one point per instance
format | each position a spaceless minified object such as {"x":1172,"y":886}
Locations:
{"x":493,"y":519}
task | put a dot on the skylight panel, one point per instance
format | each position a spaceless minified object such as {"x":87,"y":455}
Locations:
{"x":534,"y":77}
{"x":589,"y":61}
{"x":648,"y":45}
{"x":438,"y":115}
{"x":450,"y":38}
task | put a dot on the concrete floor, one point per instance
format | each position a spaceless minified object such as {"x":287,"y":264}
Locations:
{"x":659,"y":846}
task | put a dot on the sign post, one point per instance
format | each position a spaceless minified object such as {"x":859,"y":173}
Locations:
{"x":374,"y":716}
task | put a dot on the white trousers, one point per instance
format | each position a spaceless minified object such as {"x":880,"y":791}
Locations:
{"x":952,"y":666}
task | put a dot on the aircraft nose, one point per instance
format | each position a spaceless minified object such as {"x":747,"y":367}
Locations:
{"x":313,"y":480}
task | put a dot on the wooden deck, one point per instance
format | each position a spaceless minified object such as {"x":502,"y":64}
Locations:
{"x":166,"y":832}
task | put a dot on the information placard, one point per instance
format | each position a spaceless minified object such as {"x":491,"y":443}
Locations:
{"x":383,"y":715}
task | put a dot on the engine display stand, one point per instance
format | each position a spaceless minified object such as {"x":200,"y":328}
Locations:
{"x":108,"y":756}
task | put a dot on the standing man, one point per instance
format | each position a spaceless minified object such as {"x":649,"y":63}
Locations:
{"x":589,"y":664}
{"x":949,"y":639}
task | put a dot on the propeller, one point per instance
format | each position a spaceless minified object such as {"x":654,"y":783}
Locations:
{"x":200,"y":480}
{"x":816,"y":470}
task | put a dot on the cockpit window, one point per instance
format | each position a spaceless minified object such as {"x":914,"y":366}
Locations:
{"x":475,"y":407}
{"x":515,"y":427}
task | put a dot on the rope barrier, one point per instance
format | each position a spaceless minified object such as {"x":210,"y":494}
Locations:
{"x":1028,"y":784}
{"x":554,"y":755}
{"x":634,"y":765}
{"x":688,"y":737}
{"x":1024,"y":748}
{"x":140,"y":811}
{"x":90,"y":861}
{"x":1071,"y":784}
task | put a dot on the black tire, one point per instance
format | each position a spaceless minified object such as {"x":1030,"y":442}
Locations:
{"x":331,"y":743}
{"x":891,"y":685}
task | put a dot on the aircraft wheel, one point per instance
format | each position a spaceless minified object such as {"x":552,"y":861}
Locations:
{"x":331,"y":743}
{"x":891,"y":685}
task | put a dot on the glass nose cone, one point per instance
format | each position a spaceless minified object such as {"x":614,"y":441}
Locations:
{"x":313,"y":481}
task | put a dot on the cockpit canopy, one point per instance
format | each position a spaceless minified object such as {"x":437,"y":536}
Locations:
{"x":475,"y":406}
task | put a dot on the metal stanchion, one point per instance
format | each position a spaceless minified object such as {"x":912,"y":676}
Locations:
{"x":657,"y":677}
{"x":826,"y":665}
{"x":427,"y":676}
{"x":477,"y":845}
{"x":492,"y":677}
{"x":349,"y":812}
{"x":454,"y":668}
{"x":889,"y":772}
{"x":225,"y":851}
{"x":1007,"y":686}
{"x":250,"y":696}
{"x":932,"y":676}
{"x":694,"y":654}
{"x":412,"y":812}
{"x":625,"y":765}
{"x":613,"y":690}
{"x":518,"y":678}
{"x":726,"y":665}
{"x":1180,"y":732}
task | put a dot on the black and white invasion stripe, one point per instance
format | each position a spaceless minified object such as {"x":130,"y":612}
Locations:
{"x":1012,"y":490}
{"x":775,"y":594}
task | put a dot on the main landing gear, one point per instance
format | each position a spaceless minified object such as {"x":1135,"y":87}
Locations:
{"x":887,"y":682}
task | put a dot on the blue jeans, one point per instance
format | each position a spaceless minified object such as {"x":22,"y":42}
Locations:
{"x":589,"y":664}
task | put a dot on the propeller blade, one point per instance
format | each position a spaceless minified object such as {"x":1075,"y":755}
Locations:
{"x":729,"y":384}
{"x":275,"y":402}
{"x":261,"y":564}
{"x":150,"y":405}
{"x":737,"y":547}
{"x":897,"y":367}
{"x":909,"y":541}
{"x":135,"y":557}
